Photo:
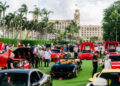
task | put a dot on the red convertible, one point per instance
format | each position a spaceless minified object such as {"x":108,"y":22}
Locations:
{"x":86,"y":51}
{"x":115,"y":61}
{"x":56,"y":54}
{"x":110,"y":47}
{"x":19,"y":60}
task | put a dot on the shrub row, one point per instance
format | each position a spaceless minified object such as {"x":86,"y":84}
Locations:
{"x":31,"y":42}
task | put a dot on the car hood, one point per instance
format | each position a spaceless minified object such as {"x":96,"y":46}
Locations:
{"x":86,"y":54}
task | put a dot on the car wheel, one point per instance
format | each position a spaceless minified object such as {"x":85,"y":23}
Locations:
{"x":76,"y":73}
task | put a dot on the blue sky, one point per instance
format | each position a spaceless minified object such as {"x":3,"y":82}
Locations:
{"x":91,"y":11}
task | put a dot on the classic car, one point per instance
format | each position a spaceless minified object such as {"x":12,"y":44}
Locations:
{"x":86,"y":51}
{"x":115,"y":61}
{"x":24,"y":77}
{"x":56,"y":54}
{"x":110,"y":47}
{"x":111,"y":75}
{"x":67,"y":67}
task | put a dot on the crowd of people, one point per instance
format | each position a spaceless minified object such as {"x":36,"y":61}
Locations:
{"x":42,"y":55}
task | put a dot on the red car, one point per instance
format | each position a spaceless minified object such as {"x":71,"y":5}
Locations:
{"x":56,"y":54}
{"x":115,"y":61}
{"x":86,"y":51}
{"x":110,"y":47}
{"x":23,"y":52}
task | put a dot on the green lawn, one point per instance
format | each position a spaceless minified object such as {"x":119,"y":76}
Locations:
{"x":81,"y":80}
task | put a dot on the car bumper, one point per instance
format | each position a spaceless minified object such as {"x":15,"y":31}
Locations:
{"x":85,"y":58}
{"x":62,"y":74}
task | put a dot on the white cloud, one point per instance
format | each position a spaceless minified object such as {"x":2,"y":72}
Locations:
{"x":91,"y":10}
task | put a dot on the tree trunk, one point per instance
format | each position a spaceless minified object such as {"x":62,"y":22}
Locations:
{"x":13,"y":33}
{"x":32,"y":34}
{"x":17,"y":35}
{"x":27,"y":34}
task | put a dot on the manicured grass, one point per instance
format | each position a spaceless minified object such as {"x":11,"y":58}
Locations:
{"x":82,"y":78}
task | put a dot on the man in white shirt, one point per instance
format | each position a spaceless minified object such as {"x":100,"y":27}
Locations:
{"x":41,"y":54}
{"x":47,"y":58}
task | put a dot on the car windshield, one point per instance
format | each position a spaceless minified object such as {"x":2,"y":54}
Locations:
{"x":13,"y":79}
{"x":55,"y":51}
{"x":113,"y":79}
{"x":111,"y":50}
{"x":86,"y":51}
{"x":115,"y":58}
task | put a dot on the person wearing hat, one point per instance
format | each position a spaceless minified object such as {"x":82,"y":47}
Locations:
{"x":10,"y":62}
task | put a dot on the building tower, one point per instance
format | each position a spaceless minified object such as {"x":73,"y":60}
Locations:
{"x":77,"y":16}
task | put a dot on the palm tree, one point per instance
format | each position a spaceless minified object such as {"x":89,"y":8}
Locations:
{"x":31,"y":25}
{"x":72,"y":29}
{"x":115,"y":16}
{"x":48,"y":26}
{"x":3,"y":7}
{"x":36,"y":13}
{"x":23,"y":9}
{"x":45,"y":12}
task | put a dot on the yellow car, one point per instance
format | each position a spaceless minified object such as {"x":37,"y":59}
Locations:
{"x":111,"y":75}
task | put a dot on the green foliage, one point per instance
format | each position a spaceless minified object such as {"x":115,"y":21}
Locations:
{"x":94,"y":38}
{"x":8,"y":41}
{"x":111,"y":22}
{"x":31,"y":42}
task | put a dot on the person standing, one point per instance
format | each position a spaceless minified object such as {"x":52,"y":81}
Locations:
{"x":107,"y":62}
{"x":41,"y":54}
{"x":28,"y":46}
{"x":95,"y":63}
{"x":36,"y":58}
{"x":10,"y":62}
{"x":75,"y":52}
{"x":118,"y":49}
{"x":47,"y":58}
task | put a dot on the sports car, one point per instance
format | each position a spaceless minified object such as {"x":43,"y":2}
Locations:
{"x":24,"y":77}
{"x":111,"y":75}
{"x":86,"y":51}
{"x":56,"y":54}
{"x":22,"y":57}
{"x":110,"y":47}
{"x":115,"y":61}
{"x":67,"y":67}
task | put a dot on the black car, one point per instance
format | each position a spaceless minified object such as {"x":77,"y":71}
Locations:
{"x":24,"y":77}
{"x":67,"y":67}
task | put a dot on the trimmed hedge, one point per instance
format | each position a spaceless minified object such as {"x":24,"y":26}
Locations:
{"x":31,"y":42}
